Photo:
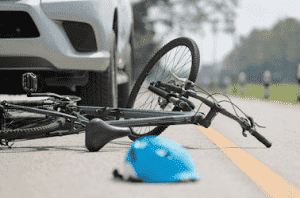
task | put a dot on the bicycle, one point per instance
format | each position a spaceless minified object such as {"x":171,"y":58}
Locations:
{"x":166,"y":87}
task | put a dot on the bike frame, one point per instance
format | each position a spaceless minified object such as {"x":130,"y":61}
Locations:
{"x":140,"y":117}
{"x":143,"y":117}
{"x":131,"y":118}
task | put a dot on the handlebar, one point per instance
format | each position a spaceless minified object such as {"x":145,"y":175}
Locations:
{"x":244,"y":124}
{"x":215,"y":107}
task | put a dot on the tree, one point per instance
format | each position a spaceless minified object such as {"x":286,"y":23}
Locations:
{"x":144,"y":47}
{"x":190,"y":15}
{"x":277,"y":50}
{"x":177,"y":16}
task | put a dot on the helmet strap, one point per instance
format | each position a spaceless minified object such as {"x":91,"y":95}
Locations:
{"x":117,"y":175}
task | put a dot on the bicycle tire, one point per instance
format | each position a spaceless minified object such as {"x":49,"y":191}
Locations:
{"x":20,"y":124}
{"x":13,"y":134}
{"x":148,"y":73}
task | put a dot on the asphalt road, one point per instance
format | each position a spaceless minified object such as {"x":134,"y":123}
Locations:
{"x":62,"y":166}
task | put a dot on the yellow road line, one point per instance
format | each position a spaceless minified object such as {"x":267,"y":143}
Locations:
{"x":272,"y":184}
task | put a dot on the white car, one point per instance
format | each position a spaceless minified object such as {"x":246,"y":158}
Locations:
{"x":85,"y":45}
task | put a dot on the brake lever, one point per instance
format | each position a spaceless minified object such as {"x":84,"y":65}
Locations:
{"x":254,"y":123}
{"x":244,"y":130}
{"x":260,"y":126}
{"x":251,"y":124}
{"x":182,"y":80}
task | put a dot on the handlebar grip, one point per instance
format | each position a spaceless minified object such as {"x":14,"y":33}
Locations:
{"x":262,"y":139}
{"x":159,"y":92}
{"x":170,"y":87}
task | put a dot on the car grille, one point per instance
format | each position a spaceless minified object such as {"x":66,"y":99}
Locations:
{"x":17,"y":24}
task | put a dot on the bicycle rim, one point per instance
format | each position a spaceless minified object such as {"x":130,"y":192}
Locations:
{"x":19,"y":124}
{"x":181,"y":56}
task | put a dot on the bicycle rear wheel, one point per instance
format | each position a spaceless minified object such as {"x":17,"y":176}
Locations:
{"x":21,"y":124}
{"x":182,"y":57}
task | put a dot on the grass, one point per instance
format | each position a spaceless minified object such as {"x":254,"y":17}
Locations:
{"x":286,"y":93}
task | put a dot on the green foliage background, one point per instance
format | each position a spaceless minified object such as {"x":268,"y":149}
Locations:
{"x":276,"y":50}
{"x":286,"y":93}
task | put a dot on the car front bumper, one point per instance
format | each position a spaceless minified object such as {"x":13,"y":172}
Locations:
{"x":52,"y":50}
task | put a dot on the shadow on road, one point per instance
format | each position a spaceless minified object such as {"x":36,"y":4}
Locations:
{"x":110,"y":147}
{"x":113,"y":146}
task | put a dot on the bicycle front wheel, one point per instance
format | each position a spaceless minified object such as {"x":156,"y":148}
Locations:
{"x":182,"y":57}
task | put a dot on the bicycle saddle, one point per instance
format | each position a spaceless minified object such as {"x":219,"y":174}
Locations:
{"x":98,"y":134}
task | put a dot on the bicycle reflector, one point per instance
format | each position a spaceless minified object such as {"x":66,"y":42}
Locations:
{"x":155,"y":159}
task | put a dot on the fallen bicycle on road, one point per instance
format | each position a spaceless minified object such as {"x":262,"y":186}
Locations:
{"x":160,"y":97}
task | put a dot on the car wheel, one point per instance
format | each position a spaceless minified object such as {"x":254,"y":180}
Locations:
{"x":125,"y":89}
{"x":102,"y":89}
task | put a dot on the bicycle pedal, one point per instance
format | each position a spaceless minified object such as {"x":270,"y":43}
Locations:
{"x":29,"y":82}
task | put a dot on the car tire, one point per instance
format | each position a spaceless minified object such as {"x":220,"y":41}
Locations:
{"x":102,"y":89}
{"x":125,"y":89}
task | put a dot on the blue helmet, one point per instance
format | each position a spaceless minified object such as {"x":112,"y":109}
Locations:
{"x":155,"y":159}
